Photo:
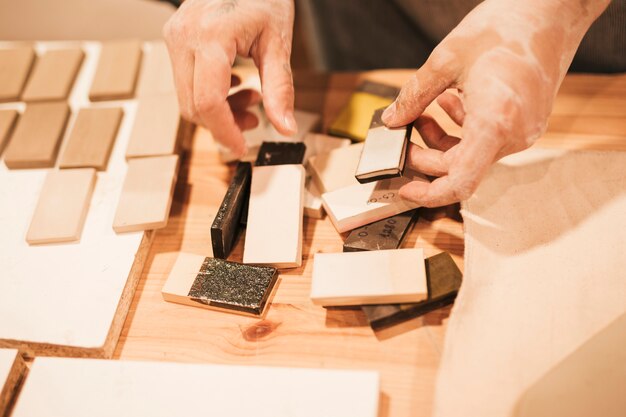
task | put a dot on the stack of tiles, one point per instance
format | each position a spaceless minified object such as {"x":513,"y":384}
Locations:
{"x":98,"y":388}
{"x":219,"y":285}
{"x":371,"y":277}
{"x":12,"y":368}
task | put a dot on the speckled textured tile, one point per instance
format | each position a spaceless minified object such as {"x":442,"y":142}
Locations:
{"x":444,"y":280}
{"x":383,"y":234}
{"x":281,"y":153}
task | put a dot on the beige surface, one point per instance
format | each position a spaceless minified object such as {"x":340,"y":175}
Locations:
{"x":62,"y":206}
{"x":15,"y":65}
{"x":156,"y":77}
{"x":92,"y":137}
{"x":295,"y":332}
{"x":318,"y":143}
{"x":312,"y":200}
{"x":147,"y":194}
{"x":383,"y":153}
{"x":7,"y":123}
{"x":53,"y":75}
{"x":156,"y":127}
{"x":369,"y":277}
{"x":117,"y":71}
{"x":12,"y":368}
{"x":275,"y":211}
{"x":37,"y":137}
{"x":79,"y":387}
{"x":335,"y":169}
{"x":545,"y":237}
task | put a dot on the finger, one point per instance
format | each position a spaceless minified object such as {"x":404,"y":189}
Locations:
{"x":427,"y":161}
{"x":183,"y":62}
{"x":453,"y":106}
{"x":422,"y":88}
{"x":211,"y":85}
{"x":244,"y":99}
{"x":277,"y":82}
{"x":246,"y":120}
{"x":433,"y":134}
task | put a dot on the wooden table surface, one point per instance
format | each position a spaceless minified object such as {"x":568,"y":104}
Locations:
{"x":590,"y":113}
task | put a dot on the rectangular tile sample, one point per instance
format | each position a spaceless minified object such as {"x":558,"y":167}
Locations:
{"x":312,"y":200}
{"x":217,"y":284}
{"x":354,"y":119}
{"x":37,"y":137}
{"x":280,"y":153}
{"x":98,"y":388}
{"x":370,"y":277}
{"x":381,"y":235}
{"x":227,"y":222}
{"x":335,"y":169}
{"x":384,"y":153}
{"x":156,"y":128}
{"x":361,"y":204}
{"x":7,"y":123}
{"x":147,"y":194}
{"x":12,"y":369}
{"x":305,"y":121}
{"x":318,"y":143}
{"x":62,"y":206}
{"x":156,"y":77}
{"x":117,"y":70}
{"x":15,"y":65}
{"x":444,"y":280}
{"x":53,"y":75}
{"x":92,"y":137}
{"x":274,"y":226}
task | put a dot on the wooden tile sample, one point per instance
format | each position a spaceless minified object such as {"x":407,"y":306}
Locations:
{"x":7,"y":123}
{"x":62,"y":206}
{"x":361,"y":204}
{"x":217,"y":284}
{"x":274,"y":226}
{"x":12,"y":368}
{"x":280,"y":153}
{"x":227,"y":222}
{"x":318,"y":143}
{"x":116,"y":74}
{"x":53,"y":75}
{"x":156,"y":76}
{"x":156,"y":128}
{"x":37,"y":137}
{"x":384,"y":153}
{"x":335,"y":169}
{"x":384,"y":234}
{"x":98,"y":388}
{"x":312,"y":200}
{"x":15,"y":65}
{"x":92,"y":137}
{"x":370,"y":277}
{"x":444,"y":280}
{"x":147,"y":194}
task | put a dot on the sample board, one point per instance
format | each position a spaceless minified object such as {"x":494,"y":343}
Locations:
{"x":15,"y":65}
{"x":53,"y":75}
{"x":79,"y":387}
{"x":335,"y":169}
{"x":116,"y":74}
{"x":12,"y":368}
{"x":156,"y":127}
{"x":155,"y":77}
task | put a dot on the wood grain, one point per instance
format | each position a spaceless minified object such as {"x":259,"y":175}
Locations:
{"x":37,"y":137}
{"x":295,"y":332}
{"x":92,"y":137}
{"x":12,"y":370}
{"x":116,"y":74}
{"x":156,"y":129}
{"x":7,"y":123}
{"x":15,"y":65}
{"x":156,"y":77}
{"x":53,"y":75}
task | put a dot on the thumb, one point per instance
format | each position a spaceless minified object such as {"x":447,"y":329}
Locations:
{"x":417,"y":93}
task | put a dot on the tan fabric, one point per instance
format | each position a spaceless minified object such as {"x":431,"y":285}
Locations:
{"x":544,"y":288}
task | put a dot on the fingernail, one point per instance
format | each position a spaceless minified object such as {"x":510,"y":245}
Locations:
{"x":389,"y":113}
{"x":289,"y":122}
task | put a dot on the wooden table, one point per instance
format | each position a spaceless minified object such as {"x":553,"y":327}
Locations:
{"x":590,"y":113}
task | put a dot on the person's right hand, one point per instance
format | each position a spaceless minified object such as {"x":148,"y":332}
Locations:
{"x":204,"y":37}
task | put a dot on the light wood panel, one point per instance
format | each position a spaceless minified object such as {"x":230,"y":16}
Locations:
{"x":156,"y":77}
{"x":37,"y":137}
{"x":15,"y":65}
{"x":156,"y":127}
{"x":12,"y":369}
{"x":7,"y":123}
{"x":53,"y":75}
{"x":335,"y":169}
{"x":116,"y":74}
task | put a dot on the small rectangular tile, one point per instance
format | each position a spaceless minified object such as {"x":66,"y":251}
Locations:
{"x":335,"y":169}
{"x":444,"y":281}
{"x":92,"y":137}
{"x":15,"y":66}
{"x":62,"y":206}
{"x":156,"y":76}
{"x":280,"y":153}
{"x":53,"y":75}
{"x":156,"y":130}
{"x":318,"y":143}
{"x":227,"y":222}
{"x":147,"y":194}
{"x":370,"y":277}
{"x":8,"y":119}
{"x":37,"y":137}
{"x":220,"y":285}
{"x":381,"y":235}
{"x":117,"y":70}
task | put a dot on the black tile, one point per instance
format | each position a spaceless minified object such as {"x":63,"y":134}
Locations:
{"x":383,"y":234}
{"x":280,"y":153}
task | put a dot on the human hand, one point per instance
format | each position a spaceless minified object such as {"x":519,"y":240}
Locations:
{"x":204,"y":37}
{"x":507,"y":59}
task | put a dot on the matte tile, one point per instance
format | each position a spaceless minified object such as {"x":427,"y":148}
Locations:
{"x":383,"y":234}
{"x":116,"y":74}
{"x":53,"y":75}
{"x":280,"y":153}
{"x":15,"y":66}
